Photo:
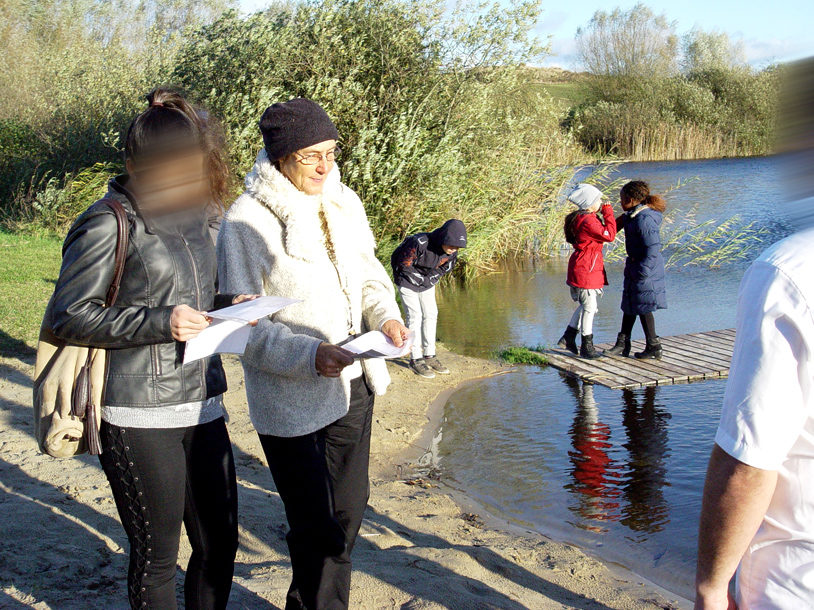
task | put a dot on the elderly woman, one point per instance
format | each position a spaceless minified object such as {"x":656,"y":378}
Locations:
{"x":298,"y":232}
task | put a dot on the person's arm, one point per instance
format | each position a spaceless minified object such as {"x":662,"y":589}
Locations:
{"x":736,"y":497}
{"x":652,"y":242}
{"x":79,"y":315}
{"x":448,"y":266}
{"x":243,"y":259}
{"x":597,"y":231}
{"x":765,"y":410}
{"x":380,"y":310}
{"x":610,"y":221}
{"x":405,"y":255}
{"x":379,"y":307}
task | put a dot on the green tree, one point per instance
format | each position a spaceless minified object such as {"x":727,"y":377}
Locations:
{"x":704,"y":50}
{"x":73,"y":73}
{"x":631,"y":44}
{"x":418,"y":94}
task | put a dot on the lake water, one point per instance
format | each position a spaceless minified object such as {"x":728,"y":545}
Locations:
{"x":617,"y":472}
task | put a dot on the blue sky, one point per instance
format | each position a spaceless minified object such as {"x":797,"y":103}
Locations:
{"x":771,"y":31}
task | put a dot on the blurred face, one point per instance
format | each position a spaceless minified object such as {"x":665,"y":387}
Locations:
{"x":627,"y":202}
{"x":307,"y":169}
{"x":169,"y":183}
{"x":594,"y":208}
{"x":450,"y":249}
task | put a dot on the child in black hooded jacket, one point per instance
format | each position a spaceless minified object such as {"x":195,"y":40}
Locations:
{"x":418,"y":263}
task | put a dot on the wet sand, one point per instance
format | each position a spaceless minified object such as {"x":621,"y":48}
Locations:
{"x":422,"y":546}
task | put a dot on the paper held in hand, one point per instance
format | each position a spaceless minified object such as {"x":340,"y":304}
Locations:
{"x":376,"y":344}
{"x":229,"y":331}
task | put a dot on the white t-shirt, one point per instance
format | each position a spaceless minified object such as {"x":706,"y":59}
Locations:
{"x":768,"y":420}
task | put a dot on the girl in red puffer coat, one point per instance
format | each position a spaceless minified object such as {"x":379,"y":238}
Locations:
{"x":587,"y":232}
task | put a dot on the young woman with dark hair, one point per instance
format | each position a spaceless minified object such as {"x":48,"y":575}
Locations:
{"x":166,"y":450}
{"x":645,"y":287}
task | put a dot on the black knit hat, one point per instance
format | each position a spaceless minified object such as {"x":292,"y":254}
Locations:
{"x":291,"y":126}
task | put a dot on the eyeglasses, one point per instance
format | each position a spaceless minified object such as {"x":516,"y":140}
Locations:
{"x":316,"y":158}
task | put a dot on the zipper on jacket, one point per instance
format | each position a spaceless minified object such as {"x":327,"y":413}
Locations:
{"x":201,"y":366}
{"x":194,"y":272}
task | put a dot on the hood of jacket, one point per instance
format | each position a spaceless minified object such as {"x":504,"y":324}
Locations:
{"x":300,"y":213}
{"x":646,"y":210}
{"x":451,"y":233}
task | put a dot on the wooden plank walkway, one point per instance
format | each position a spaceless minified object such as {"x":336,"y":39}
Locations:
{"x":691,"y":357}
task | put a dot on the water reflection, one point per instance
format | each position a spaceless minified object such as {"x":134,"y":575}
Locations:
{"x":595,"y":476}
{"x":645,"y":423}
{"x":604,"y":485}
{"x":616,"y":471}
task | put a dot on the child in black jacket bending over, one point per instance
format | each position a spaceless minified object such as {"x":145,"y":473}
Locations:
{"x":418,"y":263}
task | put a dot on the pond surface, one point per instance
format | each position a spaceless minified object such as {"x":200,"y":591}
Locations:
{"x":617,"y":472}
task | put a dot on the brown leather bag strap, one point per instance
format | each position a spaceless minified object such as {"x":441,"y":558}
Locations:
{"x":122,"y":243}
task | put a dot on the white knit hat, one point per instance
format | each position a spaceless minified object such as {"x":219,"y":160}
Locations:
{"x":585,"y":196}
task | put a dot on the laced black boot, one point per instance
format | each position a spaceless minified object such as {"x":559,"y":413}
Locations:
{"x":569,"y":340}
{"x":652,"y":351}
{"x":622,"y":347}
{"x":588,"y":350}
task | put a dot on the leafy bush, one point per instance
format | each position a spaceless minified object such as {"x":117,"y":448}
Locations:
{"x":74,"y":74}
{"x":715,"y":113}
{"x":639,"y":105}
{"x":425,"y":102}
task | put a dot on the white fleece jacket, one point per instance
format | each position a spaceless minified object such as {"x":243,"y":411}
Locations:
{"x":272,"y":242}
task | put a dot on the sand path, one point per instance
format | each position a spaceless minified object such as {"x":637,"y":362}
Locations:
{"x":62,"y":548}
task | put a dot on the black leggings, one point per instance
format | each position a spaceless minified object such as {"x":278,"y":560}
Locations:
{"x":648,"y":324}
{"x":322,"y":479}
{"x":161,"y":478}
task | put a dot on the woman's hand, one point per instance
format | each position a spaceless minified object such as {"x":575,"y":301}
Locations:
{"x":331,"y":359}
{"x":186,"y":323}
{"x":242,"y":298}
{"x":397,"y":332}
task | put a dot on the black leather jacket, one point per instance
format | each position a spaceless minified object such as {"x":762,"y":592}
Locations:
{"x":170,"y":261}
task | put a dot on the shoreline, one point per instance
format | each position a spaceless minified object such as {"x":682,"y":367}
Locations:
{"x":422,"y":454}
{"x":423,"y":545}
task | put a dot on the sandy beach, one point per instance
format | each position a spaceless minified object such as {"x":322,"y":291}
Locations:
{"x":422,"y":546}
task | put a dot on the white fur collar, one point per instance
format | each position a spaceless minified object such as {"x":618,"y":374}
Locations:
{"x":304,"y":239}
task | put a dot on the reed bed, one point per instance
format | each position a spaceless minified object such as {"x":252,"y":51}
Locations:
{"x":714,"y":244}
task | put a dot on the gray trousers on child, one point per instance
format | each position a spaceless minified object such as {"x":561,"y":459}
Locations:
{"x":421,"y":315}
{"x":583,"y":318}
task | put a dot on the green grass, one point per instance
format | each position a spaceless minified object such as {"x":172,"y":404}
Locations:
{"x":523,"y":355}
{"x":568,"y":94}
{"x":29,"y":266}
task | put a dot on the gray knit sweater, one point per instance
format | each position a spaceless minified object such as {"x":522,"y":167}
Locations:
{"x":272,"y":242}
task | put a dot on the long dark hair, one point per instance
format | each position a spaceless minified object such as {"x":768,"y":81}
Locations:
{"x":639,"y":191}
{"x":568,"y":227}
{"x":171,"y":123}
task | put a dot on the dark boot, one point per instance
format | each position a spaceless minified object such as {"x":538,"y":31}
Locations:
{"x":622,"y":347}
{"x":652,"y":350}
{"x":588,"y":350}
{"x":569,"y":340}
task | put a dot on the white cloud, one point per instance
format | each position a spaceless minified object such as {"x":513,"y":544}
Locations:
{"x":763,"y":52}
{"x":563,"y":55}
{"x":551,"y":22}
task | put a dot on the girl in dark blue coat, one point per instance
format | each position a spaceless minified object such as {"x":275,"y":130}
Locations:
{"x":645,"y":287}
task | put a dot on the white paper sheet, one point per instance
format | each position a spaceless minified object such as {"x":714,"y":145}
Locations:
{"x":220,"y":337}
{"x":249,"y":311}
{"x":376,"y":344}
{"x":230,"y":329}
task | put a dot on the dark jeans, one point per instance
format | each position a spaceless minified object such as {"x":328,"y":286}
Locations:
{"x":161,"y":478}
{"x":322,"y":479}
{"x":648,"y":325}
